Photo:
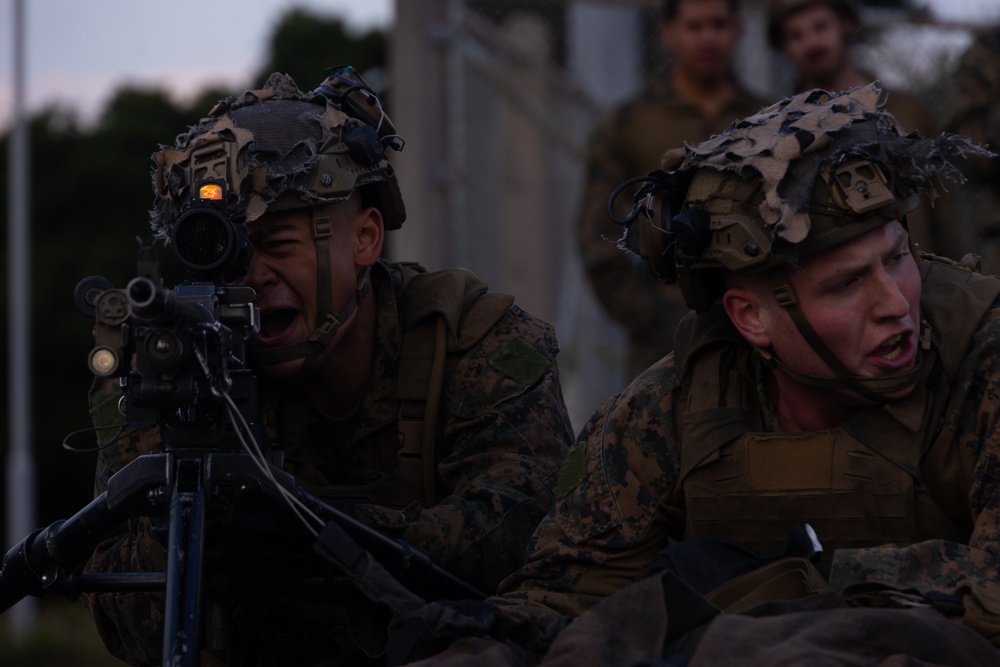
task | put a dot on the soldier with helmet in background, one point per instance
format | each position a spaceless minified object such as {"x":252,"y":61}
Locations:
{"x":418,"y":402}
{"x":818,"y":456}
{"x":816,"y":37}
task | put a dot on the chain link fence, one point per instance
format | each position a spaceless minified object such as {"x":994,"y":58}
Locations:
{"x":496,"y":99}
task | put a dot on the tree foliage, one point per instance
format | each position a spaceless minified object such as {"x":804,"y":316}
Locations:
{"x":304,"y":44}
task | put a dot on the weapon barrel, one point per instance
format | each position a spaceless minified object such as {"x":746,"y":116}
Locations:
{"x":158,"y":305}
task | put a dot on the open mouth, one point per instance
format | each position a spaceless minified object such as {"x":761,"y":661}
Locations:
{"x":892,"y":348}
{"x":275,"y":322}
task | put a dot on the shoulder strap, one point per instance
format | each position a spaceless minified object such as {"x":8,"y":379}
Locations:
{"x":442,"y":312}
{"x":418,"y":390}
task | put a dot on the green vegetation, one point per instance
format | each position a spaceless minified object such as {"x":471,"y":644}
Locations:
{"x":304,"y":44}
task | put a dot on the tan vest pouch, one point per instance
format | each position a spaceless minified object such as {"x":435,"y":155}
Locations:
{"x":786,"y":579}
{"x":761,"y":484}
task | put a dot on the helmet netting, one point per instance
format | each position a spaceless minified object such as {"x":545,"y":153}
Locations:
{"x":785,"y":145}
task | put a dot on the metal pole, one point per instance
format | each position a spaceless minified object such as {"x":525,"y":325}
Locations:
{"x":20,"y":463}
{"x":458,"y":182}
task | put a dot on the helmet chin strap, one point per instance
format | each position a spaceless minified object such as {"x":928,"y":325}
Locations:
{"x":870,"y":388}
{"x":326,"y":328}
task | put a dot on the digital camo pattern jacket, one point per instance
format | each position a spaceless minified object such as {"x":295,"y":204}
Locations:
{"x":630,"y":142}
{"x":619,"y":501}
{"x":502,"y":433}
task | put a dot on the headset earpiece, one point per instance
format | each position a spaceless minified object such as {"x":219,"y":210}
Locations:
{"x":656,"y":239}
{"x":363,"y":144}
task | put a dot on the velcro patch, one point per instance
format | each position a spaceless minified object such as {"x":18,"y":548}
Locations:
{"x":519,"y":361}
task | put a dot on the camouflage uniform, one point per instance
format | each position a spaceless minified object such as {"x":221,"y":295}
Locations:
{"x":621,"y":497}
{"x":502,"y":432}
{"x":630,"y":142}
{"x":975,"y":112}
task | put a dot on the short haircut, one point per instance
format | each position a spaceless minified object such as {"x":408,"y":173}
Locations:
{"x":778,"y":12}
{"x":668,"y":11}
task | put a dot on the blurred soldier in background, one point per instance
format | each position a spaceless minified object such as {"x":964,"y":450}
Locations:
{"x":419,"y":403}
{"x":699,"y":97}
{"x":976,"y":113}
{"x":816,"y":36}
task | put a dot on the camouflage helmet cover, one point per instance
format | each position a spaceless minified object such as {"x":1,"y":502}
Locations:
{"x":807,"y":173}
{"x":277,"y":148}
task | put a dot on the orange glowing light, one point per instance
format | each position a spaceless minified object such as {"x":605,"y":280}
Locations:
{"x":210,"y":191}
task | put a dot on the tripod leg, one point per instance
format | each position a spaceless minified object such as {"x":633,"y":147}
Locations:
{"x":184,"y":565}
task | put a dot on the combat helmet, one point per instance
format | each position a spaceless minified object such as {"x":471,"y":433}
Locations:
{"x":801,"y":176}
{"x":779,"y":10}
{"x":276,"y":149}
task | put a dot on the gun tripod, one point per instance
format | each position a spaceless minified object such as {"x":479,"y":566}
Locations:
{"x":183,"y":483}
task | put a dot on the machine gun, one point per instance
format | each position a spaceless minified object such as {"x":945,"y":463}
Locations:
{"x":180,"y":357}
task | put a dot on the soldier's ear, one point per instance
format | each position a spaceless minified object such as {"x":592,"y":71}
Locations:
{"x":746,"y":311}
{"x":369,"y":235}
